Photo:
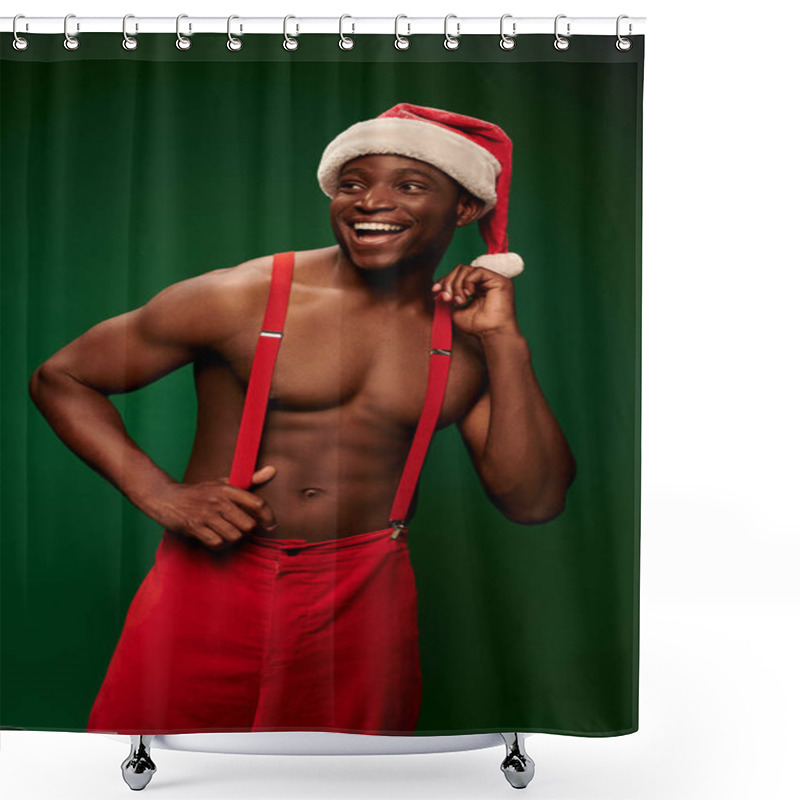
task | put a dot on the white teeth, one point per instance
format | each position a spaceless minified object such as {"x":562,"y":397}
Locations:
{"x":376,"y":226}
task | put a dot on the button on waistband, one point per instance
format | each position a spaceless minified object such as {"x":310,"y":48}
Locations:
{"x":292,"y":551}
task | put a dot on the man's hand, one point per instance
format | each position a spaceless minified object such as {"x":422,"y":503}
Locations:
{"x":483,"y":300}
{"x":213,"y":511}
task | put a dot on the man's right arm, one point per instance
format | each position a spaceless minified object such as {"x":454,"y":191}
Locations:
{"x":125,"y":353}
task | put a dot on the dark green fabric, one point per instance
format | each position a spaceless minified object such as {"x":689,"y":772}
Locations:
{"x":125,"y":172}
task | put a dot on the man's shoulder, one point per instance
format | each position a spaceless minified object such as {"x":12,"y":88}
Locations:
{"x":242,"y":289}
{"x":216,"y":297}
{"x":227,"y":288}
{"x":258,"y":271}
{"x":211,"y":306}
{"x":246,"y":273}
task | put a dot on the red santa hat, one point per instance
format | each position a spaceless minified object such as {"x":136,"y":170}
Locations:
{"x":475,"y":153}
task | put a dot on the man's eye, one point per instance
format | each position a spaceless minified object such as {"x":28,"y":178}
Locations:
{"x":347,"y":184}
{"x":412,"y":186}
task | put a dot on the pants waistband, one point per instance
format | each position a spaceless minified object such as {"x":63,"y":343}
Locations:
{"x":295,"y":546}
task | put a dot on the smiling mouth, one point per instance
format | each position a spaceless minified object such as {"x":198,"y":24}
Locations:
{"x":376,"y":232}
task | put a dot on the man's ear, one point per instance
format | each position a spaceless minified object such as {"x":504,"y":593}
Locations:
{"x":468,"y":208}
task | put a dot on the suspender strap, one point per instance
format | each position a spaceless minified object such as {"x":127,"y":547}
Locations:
{"x":248,"y":441}
{"x":255,"y":404}
{"x":438,"y":368}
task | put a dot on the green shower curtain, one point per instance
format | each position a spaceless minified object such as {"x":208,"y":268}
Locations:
{"x":126,"y":172}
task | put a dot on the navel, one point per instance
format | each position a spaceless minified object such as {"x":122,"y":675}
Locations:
{"x":311,"y":491}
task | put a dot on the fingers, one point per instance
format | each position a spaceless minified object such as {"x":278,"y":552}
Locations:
{"x":240,"y":519}
{"x":260,"y":476}
{"x":228,"y":533}
{"x":254,"y":506}
{"x":460,"y":284}
{"x":230,"y":524}
{"x":262,"y":514}
{"x":245,"y":499}
{"x":209,"y":537}
{"x":462,"y":287}
{"x":216,"y":513}
{"x":264,"y":474}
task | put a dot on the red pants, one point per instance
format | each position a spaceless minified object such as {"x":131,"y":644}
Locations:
{"x":285,"y":635}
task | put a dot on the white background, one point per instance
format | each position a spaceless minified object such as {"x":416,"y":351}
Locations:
{"x":719,"y":705}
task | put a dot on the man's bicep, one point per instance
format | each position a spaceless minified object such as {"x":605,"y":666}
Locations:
{"x":474,"y":426}
{"x":119,"y":355}
{"x":134,"y":349}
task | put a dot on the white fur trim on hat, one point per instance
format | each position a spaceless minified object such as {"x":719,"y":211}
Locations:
{"x":473,"y":166}
{"x":508,"y":264}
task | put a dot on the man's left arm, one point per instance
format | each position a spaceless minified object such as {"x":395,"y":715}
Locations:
{"x":513,"y":437}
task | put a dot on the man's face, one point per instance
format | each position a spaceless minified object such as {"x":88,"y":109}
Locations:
{"x":390,"y":209}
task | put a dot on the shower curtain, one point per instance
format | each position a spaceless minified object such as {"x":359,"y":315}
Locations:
{"x":166,"y":180}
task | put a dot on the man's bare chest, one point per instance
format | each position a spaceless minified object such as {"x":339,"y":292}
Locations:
{"x":329,"y":361}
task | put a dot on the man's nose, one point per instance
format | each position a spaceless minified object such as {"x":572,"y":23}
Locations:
{"x":375,"y":197}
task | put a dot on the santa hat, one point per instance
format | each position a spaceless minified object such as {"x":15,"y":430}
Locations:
{"x":475,"y":153}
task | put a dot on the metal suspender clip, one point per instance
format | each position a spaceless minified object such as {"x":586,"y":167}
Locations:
{"x":437,"y":351}
{"x":398,"y":525}
{"x":274,"y":334}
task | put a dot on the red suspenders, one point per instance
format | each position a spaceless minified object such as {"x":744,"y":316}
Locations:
{"x":255,"y":404}
{"x":438,"y":367}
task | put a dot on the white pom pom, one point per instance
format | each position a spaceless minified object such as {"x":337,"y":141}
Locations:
{"x":507,"y":264}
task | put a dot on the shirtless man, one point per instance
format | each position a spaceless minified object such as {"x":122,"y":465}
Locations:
{"x":346,"y":393}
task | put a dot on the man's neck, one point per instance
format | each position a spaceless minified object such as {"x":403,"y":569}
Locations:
{"x":403,"y":285}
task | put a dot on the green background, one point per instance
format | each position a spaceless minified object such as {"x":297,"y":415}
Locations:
{"x":125,"y":172}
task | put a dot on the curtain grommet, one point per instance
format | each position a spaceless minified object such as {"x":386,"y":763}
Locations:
{"x":346,"y":42}
{"x":451,"y":42}
{"x":623,"y":44}
{"x":290,"y":43}
{"x":507,"y":42}
{"x":182,"y":42}
{"x":129,"y":42}
{"x":233,"y":44}
{"x":20,"y":42}
{"x":561,"y":42}
{"x":71,"y":42}
{"x":401,"y":42}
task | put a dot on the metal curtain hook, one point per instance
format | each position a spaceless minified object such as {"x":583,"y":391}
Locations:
{"x":70,"y":42}
{"x":182,"y":43}
{"x":19,"y":42}
{"x":507,"y":42}
{"x":622,"y":43}
{"x":129,"y":42}
{"x":345,"y":42}
{"x":400,"y":42}
{"x":233,"y":43}
{"x":288,"y":42}
{"x":451,"y":42}
{"x":560,"y":42}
